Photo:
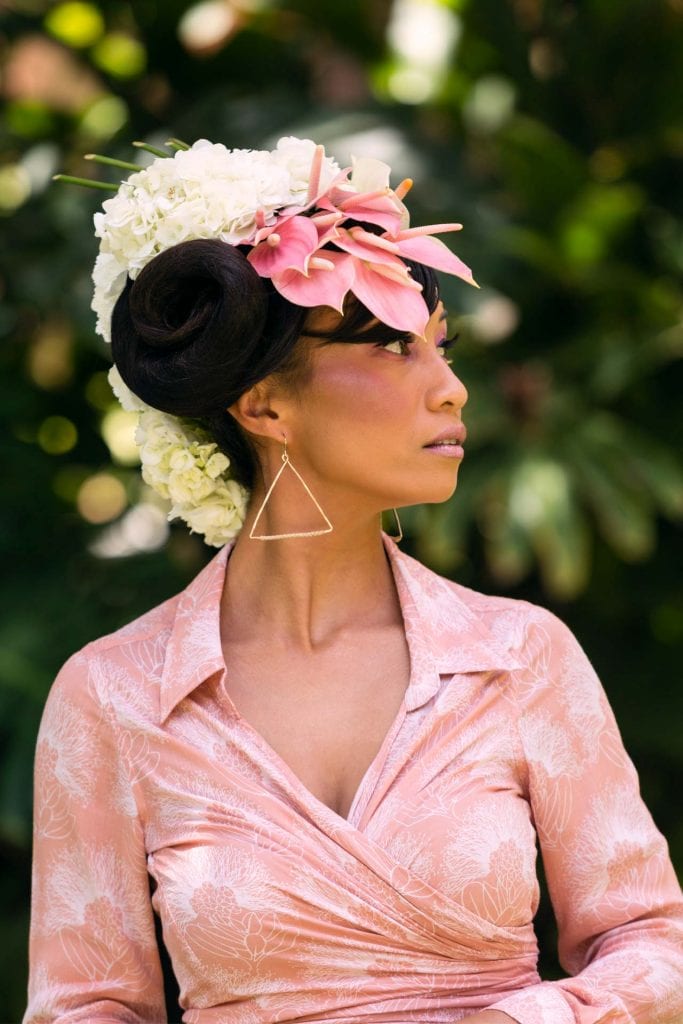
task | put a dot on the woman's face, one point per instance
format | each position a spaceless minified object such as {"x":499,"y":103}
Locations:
{"x":367,"y":413}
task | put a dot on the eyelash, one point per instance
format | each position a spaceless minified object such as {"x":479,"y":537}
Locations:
{"x":445,"y":345}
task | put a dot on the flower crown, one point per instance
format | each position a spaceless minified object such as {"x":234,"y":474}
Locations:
{"x":289,"y":205}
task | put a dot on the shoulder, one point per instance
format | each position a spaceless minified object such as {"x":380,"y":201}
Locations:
{"x":526,"y":626}
{"x":155,"y":622}
{"x":517,"y":625}
{"x":116,"y":670}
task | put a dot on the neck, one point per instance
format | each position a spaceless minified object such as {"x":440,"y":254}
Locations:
{"x":306,"y":591}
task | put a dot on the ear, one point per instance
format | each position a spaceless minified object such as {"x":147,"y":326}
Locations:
{"x":259,"y":411}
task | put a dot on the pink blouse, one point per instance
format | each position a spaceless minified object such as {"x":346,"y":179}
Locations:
{"x":418,"y":907}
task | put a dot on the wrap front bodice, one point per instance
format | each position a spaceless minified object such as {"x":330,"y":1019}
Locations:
{"x":417,"y":907}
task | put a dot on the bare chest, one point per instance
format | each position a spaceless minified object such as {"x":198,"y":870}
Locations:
{"x":325,"y":715}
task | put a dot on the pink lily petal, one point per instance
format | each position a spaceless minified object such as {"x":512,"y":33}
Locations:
{"x":298,"y":240}
{"x":432,"y":252}
{"x":318,"y":287}
{"x":391,"y":302}
{"x":365,"y":250}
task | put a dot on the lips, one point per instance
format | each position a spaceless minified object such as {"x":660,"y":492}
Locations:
{"x":455,"y":434}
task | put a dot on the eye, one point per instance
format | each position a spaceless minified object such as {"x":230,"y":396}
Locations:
{"x":445,"y":345}
{"x":399,"y":346}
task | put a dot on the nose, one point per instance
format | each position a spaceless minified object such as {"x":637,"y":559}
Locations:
{"x":446,"y":388}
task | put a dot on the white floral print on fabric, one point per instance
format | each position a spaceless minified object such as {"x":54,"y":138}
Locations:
{"x":417,"y":907}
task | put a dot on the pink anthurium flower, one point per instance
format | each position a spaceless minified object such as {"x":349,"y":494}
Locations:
{"x":288,"y":245}
{"x":327,"y":226}
{"x":322,"y":285}
{"x":395,"y":300}
{"x":434,"y":253}
{"x":367,"y":246}
{"x":374,"y":208}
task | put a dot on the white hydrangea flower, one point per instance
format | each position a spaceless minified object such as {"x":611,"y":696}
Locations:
{"x":220,"y":517}
{"x":183,"y":465}
{"x":207,"y":191}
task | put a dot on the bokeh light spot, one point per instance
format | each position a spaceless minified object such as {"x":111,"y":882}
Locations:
{"x":496,"y":317}
{"x":410,"y":85}
{"x":144,"y":527}
{"x":101,"y":498}
{"x":50,"y":362}
{"x":118,"y":431}
{"x":423,"y":31}
{"x":422,"y":36}
{"x":490,"y":103}
{"x":582,"y":243}
{"x":57,"y":435}
{"x":120,"y":55}
{"x":205,"y":26}
{"x":104,"y":118}
{"x":15,"y":187}
{"x":29,"y":118}
{"x":75,"y":23}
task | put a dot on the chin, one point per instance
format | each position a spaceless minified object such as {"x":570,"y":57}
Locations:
{"x":433,"y":495}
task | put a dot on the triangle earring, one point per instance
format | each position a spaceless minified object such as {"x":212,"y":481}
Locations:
{"x":278,"y":536}
{"x":399,"y":536}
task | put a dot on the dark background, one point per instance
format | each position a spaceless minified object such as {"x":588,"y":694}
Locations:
{"x":554,"y":132}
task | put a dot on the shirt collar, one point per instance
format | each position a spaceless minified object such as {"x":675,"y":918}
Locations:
{"x":444,"y":634}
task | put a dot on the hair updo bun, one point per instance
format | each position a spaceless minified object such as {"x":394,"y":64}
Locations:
{"x":195,"y":330}
{"x":184,"y":331}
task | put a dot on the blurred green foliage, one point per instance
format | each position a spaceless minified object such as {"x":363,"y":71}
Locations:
{"x":553,"y":131}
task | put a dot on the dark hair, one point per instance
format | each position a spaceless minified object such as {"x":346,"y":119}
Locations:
{"x":198,"y":327}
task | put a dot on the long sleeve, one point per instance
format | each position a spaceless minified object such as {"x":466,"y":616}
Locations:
{"x":93,"y":954}
{"x":617,"y":902}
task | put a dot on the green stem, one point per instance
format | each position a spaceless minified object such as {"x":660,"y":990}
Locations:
{"x":108,"y":186}
{"x":177,"y":143}
{"x":112,"y":162}
{"x":150,"y":149}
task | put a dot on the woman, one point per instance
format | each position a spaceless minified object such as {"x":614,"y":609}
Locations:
{"x":332,"y":763}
